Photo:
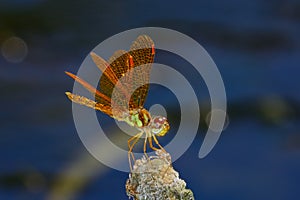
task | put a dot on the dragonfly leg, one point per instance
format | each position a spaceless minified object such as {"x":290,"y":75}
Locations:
{"x":130,"y":146}
{"x":156,"y":141}
{"x":151,"y":144}
{"x":145,"y":146}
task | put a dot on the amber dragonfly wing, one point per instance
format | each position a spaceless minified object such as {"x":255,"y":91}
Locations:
{"x":142,"y":51}
{"x":104,"y":106}
{"x":112,"y":72}
{"x":123,"y":67}
{"x":122,"y":73}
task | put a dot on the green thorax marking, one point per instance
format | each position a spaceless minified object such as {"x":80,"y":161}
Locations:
{"x":138,"y":118}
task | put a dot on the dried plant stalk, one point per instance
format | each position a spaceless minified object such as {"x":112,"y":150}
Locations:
{"x":154,"y":178}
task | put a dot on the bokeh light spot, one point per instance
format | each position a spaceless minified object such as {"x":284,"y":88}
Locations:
{"x":14,"y":49}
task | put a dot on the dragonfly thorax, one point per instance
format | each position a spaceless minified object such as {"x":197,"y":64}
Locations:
{"x":142,"y":119}
{"x":139,"y":118}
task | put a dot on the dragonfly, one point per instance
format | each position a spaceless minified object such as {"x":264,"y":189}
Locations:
{"x":122,"y":91}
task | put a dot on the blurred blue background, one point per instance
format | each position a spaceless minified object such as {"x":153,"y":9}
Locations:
{"x":255,"y":44}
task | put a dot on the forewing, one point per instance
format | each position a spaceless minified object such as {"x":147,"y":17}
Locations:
{"x":118,"y":65}
{"x":142,"y":51}
{"x":123,"y":68}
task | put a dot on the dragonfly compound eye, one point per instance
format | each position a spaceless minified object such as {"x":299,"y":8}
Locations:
{"x":160,"y":126}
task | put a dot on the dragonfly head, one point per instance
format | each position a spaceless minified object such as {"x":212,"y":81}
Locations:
{"x":160,"y":125}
